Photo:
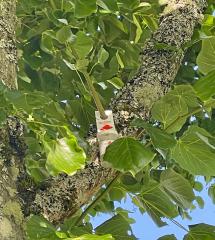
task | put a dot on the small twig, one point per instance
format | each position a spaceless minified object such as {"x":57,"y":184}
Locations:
{"x":100,"y":196}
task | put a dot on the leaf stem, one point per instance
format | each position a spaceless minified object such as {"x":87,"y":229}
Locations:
{"x":52,"y":3}
{"x":47,"y":124}
{"x":95,"y":95}
{"x":93,"y":91}
{"x":100,"y":196}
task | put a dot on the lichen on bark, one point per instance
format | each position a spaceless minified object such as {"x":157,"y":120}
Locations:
{"x":8,"y":58}
{"x":11,"y":217}
{"x":65,"y":195}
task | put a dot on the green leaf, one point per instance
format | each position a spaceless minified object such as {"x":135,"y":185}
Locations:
{"x":65,"y":34}
{"x":46,"y":43}
{"x":185,"y":93}
{"x":193,"y":153}
{"x":160,"y":138}
{"x":127,"y":154}
{"x":198,"y":186}
{"x":168,"y":237}
{"x":110,"y":5}
{"x":157,"y":203}
{"x":206,"y":57}
{"x":26,"y":102}
{"x":69,"y":65}
{"x":38,"y":228}
{"x":64,"y":156}
{"x":116,"y":82}
{"x":151,"y":22}
{"x":36,"y":169}
{"x":112,"y":27}
{"x":84,"y":8}
{"x":92,"y":237}
{"x":84,"y":113}
{"x":102,"y":56}
{"x":116,"y":194}
{"x":128,"y":4}
{"x":139,"y":30}
{"x":177,"y":187}
{"x":170,"y":110}
{"x":205,"y":86}
{"x":211,"y":192}
{"x":118,"y":226}
{"x":83,"y":44}
{"x":201,"y":232}
{"x":200,"y":201}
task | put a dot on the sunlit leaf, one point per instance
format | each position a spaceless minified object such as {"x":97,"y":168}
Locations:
{"x":127,"y":154}
{"x":206,"y":57}
{"x":205,"y":86}
{"x":194,"y":154}
{"x":65,"y":156}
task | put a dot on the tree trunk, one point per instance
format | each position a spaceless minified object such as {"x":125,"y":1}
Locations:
{"x":11,"y":217}
{"x":65,"y":195}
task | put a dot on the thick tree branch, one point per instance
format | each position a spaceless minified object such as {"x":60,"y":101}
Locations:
{"x":65,"y":195}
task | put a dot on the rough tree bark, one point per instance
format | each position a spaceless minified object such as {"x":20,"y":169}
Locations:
{"x":11,"y":217}
{"x":65,"y":195}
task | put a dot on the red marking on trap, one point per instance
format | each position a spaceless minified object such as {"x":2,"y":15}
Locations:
{"x":106,"y":127}
{"x":109,"y":142}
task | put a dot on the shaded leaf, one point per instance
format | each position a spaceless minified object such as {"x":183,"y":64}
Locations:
{"x":177,"y":187}
{"x":157,"y":203}
{"x":83,"y":44}
{"x":84,"y":8}
{"x":102,"y":56}
{"x":160,"y":138}
{"x":38,"y":228}
{"x":64,"y":34}
{"x":118,"y":226}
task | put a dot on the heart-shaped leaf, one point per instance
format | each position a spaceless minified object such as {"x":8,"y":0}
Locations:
{"x":127,"y":154}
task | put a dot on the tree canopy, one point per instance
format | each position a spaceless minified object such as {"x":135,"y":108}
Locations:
{"x":67,"y":49}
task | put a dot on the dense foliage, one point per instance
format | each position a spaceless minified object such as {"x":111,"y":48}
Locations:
{"x":63,"y":42}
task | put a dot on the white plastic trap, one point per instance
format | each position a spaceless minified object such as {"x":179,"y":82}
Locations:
{"x":106,"y":131}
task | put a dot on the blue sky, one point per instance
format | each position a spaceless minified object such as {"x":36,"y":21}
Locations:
{"x":145,"y":229}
